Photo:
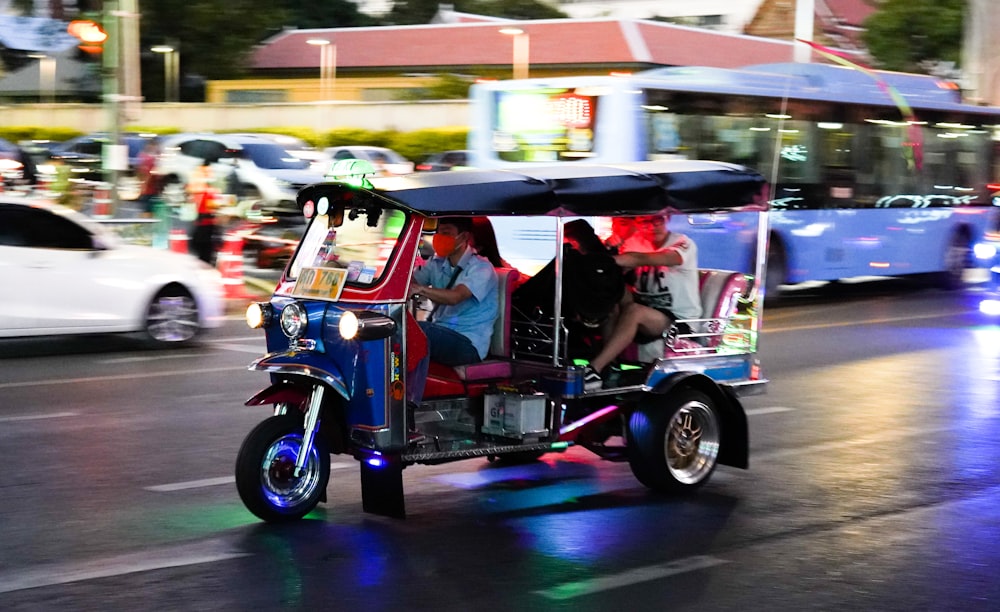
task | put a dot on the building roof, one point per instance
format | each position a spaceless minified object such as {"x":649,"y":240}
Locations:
{"x":552,"y":42}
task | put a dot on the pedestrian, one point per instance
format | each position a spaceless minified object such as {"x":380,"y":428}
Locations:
{"x":148,"y":178}
{"x":203,"y":236}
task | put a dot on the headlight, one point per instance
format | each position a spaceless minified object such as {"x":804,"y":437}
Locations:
{"x":259,"y":314}
{"x":985,"y":250}
{"x":365,"y":325}
{"x":294,"y":320}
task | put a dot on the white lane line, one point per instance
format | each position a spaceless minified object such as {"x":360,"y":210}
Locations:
{"x":34,"y":417}
{"x":768,"y":410}
{"x":144,"y":358}
{"x":571,"y":590}
{"x":63,"y":573}
{"x":90,"y":379}
{"x":878,"y":321}
{"x":882,"y":438}
{"x":242,"y":348}
{"x":214,"y":482}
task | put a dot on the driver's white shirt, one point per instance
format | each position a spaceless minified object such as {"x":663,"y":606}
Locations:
{"x":670,"y":288}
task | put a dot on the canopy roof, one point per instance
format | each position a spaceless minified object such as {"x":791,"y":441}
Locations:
{"x":570,"y":190}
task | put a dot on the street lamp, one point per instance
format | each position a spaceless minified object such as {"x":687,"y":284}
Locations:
{"x":520,"y":67}
{"x":171,"y":71}
{"x":46,"y":77}
{"x":327,"y":66}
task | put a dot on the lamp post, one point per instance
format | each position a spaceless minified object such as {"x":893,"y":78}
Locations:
{"x":171,"y":71}
{"x":46,"y":77}
{"x":520,"y":64}
{"x":327,"y":66}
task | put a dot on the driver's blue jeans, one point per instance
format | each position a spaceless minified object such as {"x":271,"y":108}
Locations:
{"x":445,"y":346}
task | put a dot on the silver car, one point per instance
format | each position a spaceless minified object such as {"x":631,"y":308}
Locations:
{"x":251,"y":167}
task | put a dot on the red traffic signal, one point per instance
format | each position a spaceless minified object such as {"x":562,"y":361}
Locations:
{"x":90,"y":33}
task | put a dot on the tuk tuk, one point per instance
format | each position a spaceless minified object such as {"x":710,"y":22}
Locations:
{"x":341,"y":327}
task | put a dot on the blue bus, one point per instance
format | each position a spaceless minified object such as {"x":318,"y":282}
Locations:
{"x":872,"y":174}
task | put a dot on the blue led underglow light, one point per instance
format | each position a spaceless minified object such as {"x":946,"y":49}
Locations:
{"x":376,"y":461}
{"x":990,"y":307}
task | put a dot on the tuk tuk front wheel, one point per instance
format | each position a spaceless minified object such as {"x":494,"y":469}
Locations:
{"x":265,"y":470}
{"x":673,"y":442}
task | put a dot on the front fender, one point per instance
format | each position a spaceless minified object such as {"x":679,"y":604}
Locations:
{"x":303,"y":363}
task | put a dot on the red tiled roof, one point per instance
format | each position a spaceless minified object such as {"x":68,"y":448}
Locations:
{"x":552,"y":42}
{"x":851,"y":12}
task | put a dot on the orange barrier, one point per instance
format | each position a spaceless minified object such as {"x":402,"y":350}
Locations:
{"x":102,"y":200}
{"x":229,"y":261}
{"x":178,"y":241}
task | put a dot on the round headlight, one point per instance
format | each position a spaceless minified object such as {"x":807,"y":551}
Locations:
{"x":293,"y":320}
{"x":258,"y":314}
{"x":348,"y":325}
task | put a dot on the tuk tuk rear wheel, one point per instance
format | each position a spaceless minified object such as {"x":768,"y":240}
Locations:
{"x":673,"y":442}
{"x":265,"y":469}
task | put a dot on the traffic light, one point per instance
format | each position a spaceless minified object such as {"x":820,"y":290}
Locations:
{"x":90,"y":33}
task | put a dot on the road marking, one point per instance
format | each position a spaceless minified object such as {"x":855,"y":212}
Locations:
{"x":879,"y":321}
{"x":571,"y":590}
{"x":33,"y":417}
{"x":241,"y":348}
{"x":214,"y":482}
{"x":63,"y":573}
{"x":768,"y":410}
{"x":841,"y":444}
{"x":143,"y":358}
{"x":89,"y":379}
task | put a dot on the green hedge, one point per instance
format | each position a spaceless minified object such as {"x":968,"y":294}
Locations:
{"x":414,"y":145}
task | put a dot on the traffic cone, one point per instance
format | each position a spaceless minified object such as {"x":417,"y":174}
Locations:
{"x":229,"y":261}
{"x":178,"y":241}
{"x":102,"y":200}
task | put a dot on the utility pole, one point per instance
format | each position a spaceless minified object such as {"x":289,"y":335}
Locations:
{"x":121,"y":85}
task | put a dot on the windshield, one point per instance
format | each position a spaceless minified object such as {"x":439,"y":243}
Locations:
{"x":273,"y":157}
{"x":358,"y":250}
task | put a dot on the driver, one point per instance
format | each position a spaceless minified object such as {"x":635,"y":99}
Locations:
{"x":462,"y":285}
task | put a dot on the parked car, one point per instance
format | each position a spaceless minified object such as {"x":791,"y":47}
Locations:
{"x":265,"y":170}
{"x":10,"y":165}
{"x":446,"y":160}
{"x":66,"y":274}
{"x":84,"y":156}
{"x":317,"y":159}
{"x":386,"y":161}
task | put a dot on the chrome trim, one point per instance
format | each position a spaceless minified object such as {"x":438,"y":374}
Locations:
{"x":335,"y":382}
{"x":748,"y":387}
{"x":309,"y":428}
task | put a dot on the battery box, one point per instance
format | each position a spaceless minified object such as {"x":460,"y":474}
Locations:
{"x":513,"y":415}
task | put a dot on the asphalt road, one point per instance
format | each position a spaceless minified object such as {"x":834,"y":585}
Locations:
{"x":872,"y":486}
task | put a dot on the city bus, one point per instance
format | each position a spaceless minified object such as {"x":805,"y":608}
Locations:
{"x":872,"y":173}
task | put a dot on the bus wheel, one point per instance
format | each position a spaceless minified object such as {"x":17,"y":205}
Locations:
{"x":265,"y":469}
{"x":673,"y":441}
{"x":777,"y":269}
{"x":957,"y":257}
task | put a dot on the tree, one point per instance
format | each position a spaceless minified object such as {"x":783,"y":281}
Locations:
{"x":215,"y":39}
{"x":408,"y":12}
{"x":327,"y":14}
{"x":914,"y":35}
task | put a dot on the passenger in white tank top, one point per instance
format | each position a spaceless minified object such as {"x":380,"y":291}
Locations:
{"x":665,"y":289}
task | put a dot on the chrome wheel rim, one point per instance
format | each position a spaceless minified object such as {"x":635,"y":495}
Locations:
{"x":172,"y":319}
{"x":692,"y":442}
{"x":281,"y":487}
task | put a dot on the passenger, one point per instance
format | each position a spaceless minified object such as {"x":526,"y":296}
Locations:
{"x":592,"y":286}
{"x":622,"y":228}
{"x":484,"y":239}
{"x":665,"y":290}
{"x":463,"y":287}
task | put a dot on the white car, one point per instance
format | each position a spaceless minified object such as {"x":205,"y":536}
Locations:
{"x":65,"y":274}
{"x":266,"y":172}
{"x":386,"y":161}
